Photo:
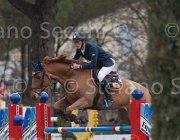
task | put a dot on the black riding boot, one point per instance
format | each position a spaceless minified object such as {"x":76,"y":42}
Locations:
{"x":104,"y":88}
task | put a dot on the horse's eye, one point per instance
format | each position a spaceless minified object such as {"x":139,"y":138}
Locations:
{"x":38,"y":77}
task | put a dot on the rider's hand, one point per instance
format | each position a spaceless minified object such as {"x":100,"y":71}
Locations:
{"x":75,"y":66}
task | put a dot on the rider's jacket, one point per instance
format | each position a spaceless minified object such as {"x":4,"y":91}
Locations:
{"x":97,"y":56}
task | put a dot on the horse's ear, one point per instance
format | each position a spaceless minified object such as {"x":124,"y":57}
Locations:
{"x":40,"y":66}
{"x":35,"y":66}
{"x":47,"y":60}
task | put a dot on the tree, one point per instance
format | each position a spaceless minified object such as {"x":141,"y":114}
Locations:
{"x":40,"y":12}
{"x":44,"y":11}
{"x":164,"y":67}
{"x":42,"y":15}
{"x":71,"y":12}
{"x":11,"y":39}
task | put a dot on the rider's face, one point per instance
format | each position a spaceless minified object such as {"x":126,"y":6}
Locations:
{"x":78,"y":44}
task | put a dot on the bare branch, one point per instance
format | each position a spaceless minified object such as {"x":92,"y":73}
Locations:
{"x":62,"y":42}
{"x":25,"y":7}
{"x":137,"y":56}
{"x":101,"y":41}
{"x":107,"y":41}
{"x":140,"y":17}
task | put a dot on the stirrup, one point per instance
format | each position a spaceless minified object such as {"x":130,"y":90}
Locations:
{"x":107,"y":104}
{"x":110,"y":103}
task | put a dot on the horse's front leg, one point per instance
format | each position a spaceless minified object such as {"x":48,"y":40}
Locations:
{"x":79,"y":104}
{"x":58,"y":106}
{"x":63,"y":101}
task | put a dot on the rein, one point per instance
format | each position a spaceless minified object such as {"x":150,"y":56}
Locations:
{"x":43,"y":88}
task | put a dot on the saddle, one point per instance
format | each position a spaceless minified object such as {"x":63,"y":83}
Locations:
{"x":113,"y":79}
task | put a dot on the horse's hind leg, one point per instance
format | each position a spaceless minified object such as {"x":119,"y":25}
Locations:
{"x":79,"y":104}
{"x":124,"y":116}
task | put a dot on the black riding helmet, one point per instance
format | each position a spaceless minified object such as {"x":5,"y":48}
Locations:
{"x":79,"y":36}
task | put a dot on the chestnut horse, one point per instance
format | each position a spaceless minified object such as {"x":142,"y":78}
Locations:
{"x":79,"y":86}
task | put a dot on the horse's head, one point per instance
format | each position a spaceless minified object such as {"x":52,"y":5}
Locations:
{"x":40,"y":80}
{"x":58,"y":66}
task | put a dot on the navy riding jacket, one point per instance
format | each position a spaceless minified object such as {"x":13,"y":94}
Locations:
{"x":97,"y":55}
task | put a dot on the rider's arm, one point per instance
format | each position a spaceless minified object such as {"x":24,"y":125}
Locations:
{"x":94,"y":57}
{"x":77,"y":55}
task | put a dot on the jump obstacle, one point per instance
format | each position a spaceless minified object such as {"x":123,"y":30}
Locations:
{"x":140,"y":119}
{"x":139,"y":129}
{"x":32,"y":126}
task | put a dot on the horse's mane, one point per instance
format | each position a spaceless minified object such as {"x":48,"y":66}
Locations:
{"x":60,"y":59}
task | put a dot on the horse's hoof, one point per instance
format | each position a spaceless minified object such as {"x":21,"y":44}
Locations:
{"x":63,"y":114}
{"x":72,"y":118}
{"x":66,"y":118}
{"x":77,"y":121}
{"x":84,"y":121}
{"x":80,"y":121}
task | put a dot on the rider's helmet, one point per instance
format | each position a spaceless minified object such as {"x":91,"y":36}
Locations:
{"x":79,"y":36}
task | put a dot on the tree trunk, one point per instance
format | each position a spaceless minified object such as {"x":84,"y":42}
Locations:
{"x":42,"y":41}
{"x":163,"y":63}
{"x":23,"y":69}
{"x":41,"y":45}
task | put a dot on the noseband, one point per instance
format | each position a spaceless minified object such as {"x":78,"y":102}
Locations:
{"x":43,"y":88}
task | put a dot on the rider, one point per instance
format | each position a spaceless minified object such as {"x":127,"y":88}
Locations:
{"x":98,"y":57}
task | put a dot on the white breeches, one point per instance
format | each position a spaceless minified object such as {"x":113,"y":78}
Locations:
{"x":104,"y":71}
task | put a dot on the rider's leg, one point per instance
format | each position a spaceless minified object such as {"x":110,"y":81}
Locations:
{"x":102,"y":73}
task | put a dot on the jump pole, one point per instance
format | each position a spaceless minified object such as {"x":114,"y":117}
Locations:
{"x":87,"y":129}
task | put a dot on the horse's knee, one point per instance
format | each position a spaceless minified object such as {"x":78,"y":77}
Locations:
{"x":69,"y":110}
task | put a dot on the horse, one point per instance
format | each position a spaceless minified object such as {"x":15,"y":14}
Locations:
{"x":81,"y":92}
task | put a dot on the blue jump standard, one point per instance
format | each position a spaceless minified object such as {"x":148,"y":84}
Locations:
{"x":88,"y":129}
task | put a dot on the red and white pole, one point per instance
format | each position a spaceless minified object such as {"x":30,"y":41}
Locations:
{"x":43,"y":120}
{"x":136,"y":133}
{"x":135,"y":113}
{"x":15,"y":131}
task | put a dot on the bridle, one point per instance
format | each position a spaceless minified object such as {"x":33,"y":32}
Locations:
{"x":43,"y":88}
